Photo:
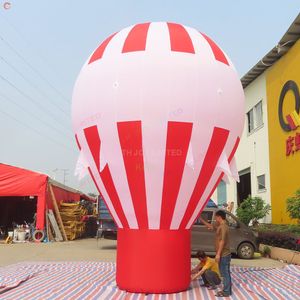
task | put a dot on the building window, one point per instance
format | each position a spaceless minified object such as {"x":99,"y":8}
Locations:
{"x":250,"y":116}
{"x":259,"y":114}
{"x":261,"y":183}
{"x":206,"y":215}
{"x":221,"y":193}
{"x":255,"y":117}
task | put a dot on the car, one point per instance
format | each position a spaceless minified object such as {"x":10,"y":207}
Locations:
{"x":107,"y":228}
{"x":243,"y":240}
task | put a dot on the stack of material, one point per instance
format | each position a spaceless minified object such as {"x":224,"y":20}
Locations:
{"x":71,"y":214}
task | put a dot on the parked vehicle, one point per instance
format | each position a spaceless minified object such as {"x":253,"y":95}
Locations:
{"x":243,"y":240}
{"x":106,"y":225}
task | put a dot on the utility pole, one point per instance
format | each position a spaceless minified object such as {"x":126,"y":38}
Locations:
{"x":65,"y":174}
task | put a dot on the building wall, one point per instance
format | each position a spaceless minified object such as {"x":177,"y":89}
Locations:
{"x":253,"y":151}
{"x":284,"y":162}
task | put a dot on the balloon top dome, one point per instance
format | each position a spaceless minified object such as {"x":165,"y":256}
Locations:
{"x":160,"y":37}
{"x":144,"y":87}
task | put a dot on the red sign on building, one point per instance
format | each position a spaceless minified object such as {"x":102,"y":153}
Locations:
{"x":292,"y":144}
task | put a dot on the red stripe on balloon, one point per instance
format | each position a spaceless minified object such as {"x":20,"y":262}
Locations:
{"x":77,"y":142}
{"x":234,"y":149}
{"x":94,"y":143}
{"x":98,"y":189}
{"x":113,"y":195}
{"x":218,"y":53}
{"x":136,"y":39}
{"x":212,"y":156}
{"x":100,"y":50}
{"x":130,"y":136}
{"x":90,"y":171}
{"x":180,"y":39}
{"x":220,"y":177}
{"x":178,"y":139}
{"x":93,"y":140}
{"x":125,"y":221}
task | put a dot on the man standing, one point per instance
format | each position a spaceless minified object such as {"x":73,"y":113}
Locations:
{"x":223,"y":254}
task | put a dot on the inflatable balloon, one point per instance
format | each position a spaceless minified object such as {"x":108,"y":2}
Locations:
{"x":158,"y":110}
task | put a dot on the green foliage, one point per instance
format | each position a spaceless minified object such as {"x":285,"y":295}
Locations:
{"x":266,"y":251}
{"x":293,"y":206}
{"x":285,"y":228}
{"x":252,"y":209}
{"x":278,"y":239}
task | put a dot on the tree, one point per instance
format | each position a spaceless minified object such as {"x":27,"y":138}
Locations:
{"x":252,"y":209}
{"x":293,"y":206}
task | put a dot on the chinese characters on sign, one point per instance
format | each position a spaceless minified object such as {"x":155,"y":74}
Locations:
{"x":292,"y":121}
{"x":292,"y":144}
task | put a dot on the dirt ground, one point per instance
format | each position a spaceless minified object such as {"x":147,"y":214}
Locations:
{"x":86,"y":250}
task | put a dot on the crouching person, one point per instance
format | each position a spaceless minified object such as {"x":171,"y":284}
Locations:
{"x":208,"y":269}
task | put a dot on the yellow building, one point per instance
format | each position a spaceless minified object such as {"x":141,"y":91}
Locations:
{"x":268,"y":157}
{"x":282,"y":77}
{"x":283,"y":84}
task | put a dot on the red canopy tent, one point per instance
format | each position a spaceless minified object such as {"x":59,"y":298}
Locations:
{"x":16,"y":182}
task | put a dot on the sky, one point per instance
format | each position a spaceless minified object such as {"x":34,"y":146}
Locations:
{"x":44,"y":44}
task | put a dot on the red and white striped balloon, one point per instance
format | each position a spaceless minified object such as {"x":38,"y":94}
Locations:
{"x":158,"y":110}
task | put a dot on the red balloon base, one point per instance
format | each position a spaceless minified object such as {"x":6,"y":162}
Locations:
{"x":153,"y":261}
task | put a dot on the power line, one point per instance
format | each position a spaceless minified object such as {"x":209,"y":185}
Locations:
{"x":30,"y":99}
{"x":34,"y":69}
{"x":36,"y":131}
{"x":37,"y":53}
{"x":32,"y":114}
{"x":41,"y":76}
{"x":32,"y":84}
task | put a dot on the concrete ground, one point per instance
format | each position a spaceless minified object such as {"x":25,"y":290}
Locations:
{"x":87,"y":250}
{"x":78,"y":250}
